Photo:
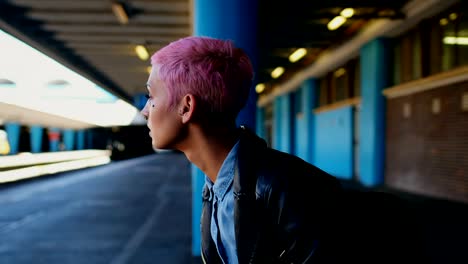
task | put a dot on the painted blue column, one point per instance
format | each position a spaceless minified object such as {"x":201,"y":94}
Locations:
{"x":276,"y":132}
{"x":36,"y":138}
{"x":260,"y":120}
{"x":375,"y":60}
{"x":69,"y":139}
{"x":283,"y":125}
{"x":80,"y":136}
{"x":89,"y":139}
{"x":305,"y":128}
{"x":198,"y":180}
{"x":235,"y":20}
{"x":139,"y":101}
{"x":13,"y":134}
{"x":54,"y":139}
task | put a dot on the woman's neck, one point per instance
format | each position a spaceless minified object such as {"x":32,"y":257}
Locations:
{"x":208,"y":148}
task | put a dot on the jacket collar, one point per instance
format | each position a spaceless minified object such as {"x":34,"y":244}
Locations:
{"x":250,"y":151}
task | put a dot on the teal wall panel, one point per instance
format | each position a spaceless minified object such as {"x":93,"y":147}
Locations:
{"x":306,"y":101}
{"x":333,"y":150}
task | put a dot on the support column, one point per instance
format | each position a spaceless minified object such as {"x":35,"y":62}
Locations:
{"x":36,"y":138}
{"x":69,"y":139}
{"x":305,"y":120}
{"x":260,"y":120}
{"x":235,"y":20}
{"x":13,"y":134}
{"x":80,"y":136}
{"x":283,"y":124}
{"x":89,"y":139}
{"x":139,"y":101}
{"x":54,"y":139}
{"x":375,"y":60}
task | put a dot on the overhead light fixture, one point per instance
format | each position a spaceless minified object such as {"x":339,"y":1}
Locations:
{"x":340,"y":72}
{"x":277,"y":72}
{"x":259,"y":88}
{"x":120,"y":12}
{"x":443,"y":22}
{"x":297,"y":55}
{"x":456,"y":40}
{"x":347,"y":12}
{"x":336,"y":22}
{"x":141,"y":52}
{"x":453,"y":16}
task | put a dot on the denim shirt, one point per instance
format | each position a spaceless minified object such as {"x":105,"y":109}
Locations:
{"x":222,"y":218}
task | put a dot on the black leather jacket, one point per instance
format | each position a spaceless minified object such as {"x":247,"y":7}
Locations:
{"x":285,"y":208}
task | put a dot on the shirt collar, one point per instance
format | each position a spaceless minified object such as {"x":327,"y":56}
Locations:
{"x":225,"y":174}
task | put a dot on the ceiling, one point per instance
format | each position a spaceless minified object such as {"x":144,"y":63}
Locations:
{"x":87,"y":36}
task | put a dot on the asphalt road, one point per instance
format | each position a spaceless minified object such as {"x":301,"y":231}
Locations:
{"x":133,"y":211}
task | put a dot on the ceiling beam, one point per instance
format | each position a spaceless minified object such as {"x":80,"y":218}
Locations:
{"x":132,"y":29}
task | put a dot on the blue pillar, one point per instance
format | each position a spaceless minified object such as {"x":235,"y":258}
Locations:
{"x":235,"y":20}
{"x":69,"y":139}
{"x":54,"y":139}
{"x":13,"y":133}
{"x":80,"y":136}
{"x":260,"y":120}
{"x":36,"y":138}
{"x":283,"y":124}
{"x":198,"y":180}
{"x":139,"y":100}
{"x":305,"y":127}
{"x":375,"y":60}
{"x":89,"y":139}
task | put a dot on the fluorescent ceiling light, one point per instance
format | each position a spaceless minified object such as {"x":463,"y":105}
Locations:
{"x":443,"y":22}
{"x":347,"y":12}
{"x":455,"y":40}
{"x":141,"y":52}
{"x":336,"y":22}
{"x":120,"y":13}
{"x":340,"y":72}
{"x":277,"y":72}
{"x":259,"y":88}
{"x":297,"y":55}
{"x":80,"y":99}
{"x":453,"y":16}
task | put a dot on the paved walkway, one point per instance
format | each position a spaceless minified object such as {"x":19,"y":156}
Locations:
{"x":134,"y":211}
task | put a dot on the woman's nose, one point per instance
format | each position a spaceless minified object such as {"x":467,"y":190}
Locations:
{"x":144,"y":112}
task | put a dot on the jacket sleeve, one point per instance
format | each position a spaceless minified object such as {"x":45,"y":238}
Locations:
{"x":302,"y":206}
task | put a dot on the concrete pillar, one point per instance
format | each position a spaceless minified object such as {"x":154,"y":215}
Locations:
{"x":375,"y":63}
{"x":80,"y":136}
{"x":139,"y":100}
{"x":306,"y":98}
{"x":69,"y":139}
{"x":235,"y":20}
{"x":283,"y":123}
{"x":13,"y":133}
{"x":54,"y":139}
{"x":260,"y":120}
{"x":36,"y":138}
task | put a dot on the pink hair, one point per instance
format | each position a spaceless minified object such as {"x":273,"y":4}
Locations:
{"x":213,"y":70}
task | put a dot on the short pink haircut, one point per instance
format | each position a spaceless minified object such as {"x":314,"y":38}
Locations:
{"x":217,"y":73}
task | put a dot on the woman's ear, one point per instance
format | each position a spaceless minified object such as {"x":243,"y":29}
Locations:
{"x":187,"y":108}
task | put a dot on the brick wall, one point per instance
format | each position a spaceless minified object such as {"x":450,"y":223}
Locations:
{"x":426,"y":149}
